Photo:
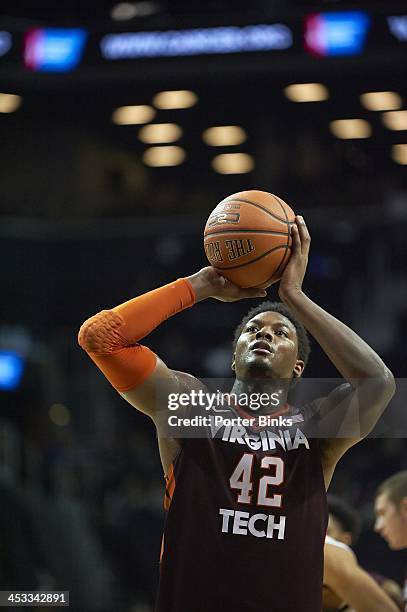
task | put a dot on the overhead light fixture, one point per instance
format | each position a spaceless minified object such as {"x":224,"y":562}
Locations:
{"x":307,"y":92}
{"x":395,"y":120}
{"x":224,"y":136}
{"x":123,"y":11}
{"x":233,"y":163}
{"x":160,"y":132}
{"x":181,"y":98}
{"x":381,"y":100}
{"x":399,"y":153}
{"x":9,"y":102}
{"x":351,"y":128}
{"x":164,"y":156}
{"x":133,"y":115}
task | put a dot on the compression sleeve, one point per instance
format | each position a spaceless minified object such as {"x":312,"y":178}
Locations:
{"x":111,"y":336}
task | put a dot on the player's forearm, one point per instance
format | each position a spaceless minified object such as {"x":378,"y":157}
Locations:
{"x":362,"y":594}
{"x":351,"y":355}
{"x":111,"y":337}
{"x":127,"y":323}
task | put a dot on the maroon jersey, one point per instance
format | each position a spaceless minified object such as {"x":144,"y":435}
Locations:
{"x":246,"y":522}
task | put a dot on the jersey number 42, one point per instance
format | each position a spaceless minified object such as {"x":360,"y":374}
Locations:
{"x":242,"y":480}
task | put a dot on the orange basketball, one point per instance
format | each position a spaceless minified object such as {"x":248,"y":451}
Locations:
{"x":247,"y":238}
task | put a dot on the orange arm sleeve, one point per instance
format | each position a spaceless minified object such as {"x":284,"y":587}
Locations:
{"x":111,"y":337}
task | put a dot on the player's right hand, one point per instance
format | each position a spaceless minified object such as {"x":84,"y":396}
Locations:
{"x":209,"y":283}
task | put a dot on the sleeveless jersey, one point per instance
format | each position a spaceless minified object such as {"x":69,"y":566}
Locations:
{"x":246,"y":522}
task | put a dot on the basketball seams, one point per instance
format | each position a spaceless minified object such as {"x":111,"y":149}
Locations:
{"x":285,"y":220}
{"x":288,"y":235}
{"x":275,"y":233}
{"x":259,"y":285}
{"x":247,"y":263}
{"x":252,"y":231}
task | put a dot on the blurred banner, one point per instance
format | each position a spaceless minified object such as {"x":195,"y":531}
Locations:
{"x":379,"y":35}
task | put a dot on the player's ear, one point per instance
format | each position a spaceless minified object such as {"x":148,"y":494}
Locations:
{"x":346,"y":538}
{"x":403,"y":507}
{"x":233,"y":364}
{"x":298,"y":368}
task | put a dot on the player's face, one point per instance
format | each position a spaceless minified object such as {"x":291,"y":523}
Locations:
{"x":391,"y":521}
{"x":267,"y":347}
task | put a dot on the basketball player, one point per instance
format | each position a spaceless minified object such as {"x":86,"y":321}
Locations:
{"x":246,"y":508}
{"x":343,"y":521}
{"x":346,"y":584}
{"x":391,"y":514}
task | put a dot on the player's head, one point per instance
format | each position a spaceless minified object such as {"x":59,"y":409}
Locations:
{"x":344,"y":523}
{"x":391,"y":510}
{"x":269,"y":342}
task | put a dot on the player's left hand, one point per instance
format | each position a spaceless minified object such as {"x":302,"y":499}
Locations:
{"x":293,"y":275}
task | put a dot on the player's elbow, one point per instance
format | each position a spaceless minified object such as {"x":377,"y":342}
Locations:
{"x":387,"y":385}
{"x":380,"y":387}
{"x":100,"y":333}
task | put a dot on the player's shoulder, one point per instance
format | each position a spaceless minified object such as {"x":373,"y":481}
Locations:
{"x":339,"y":558}
{"x":330,"y":541}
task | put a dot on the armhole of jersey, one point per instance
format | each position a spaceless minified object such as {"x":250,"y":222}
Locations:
{"x":170,"y":481}
{"x":175,"y":460}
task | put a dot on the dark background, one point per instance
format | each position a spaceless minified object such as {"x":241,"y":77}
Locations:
{"x":85,"y":225}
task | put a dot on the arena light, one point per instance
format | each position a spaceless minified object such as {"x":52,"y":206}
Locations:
{"x":395,"y":120}
{"x":351,"y":128}
{"x":180,"y":98}
{"x":9,"y":102}
{"x":224,"y":136}
{"x":160,"y":132}
{"x":381,"y":100}
{"x":133,"y":115}
{"x":306,"y":92}
{"x":123,"y":11}
{"x":399,"y":153}
{"x":164,"y":156}
{"x":233,"y":163}
{"x":59,"y":415}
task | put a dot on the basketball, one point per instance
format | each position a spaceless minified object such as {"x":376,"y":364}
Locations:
{"x":247,"y":238}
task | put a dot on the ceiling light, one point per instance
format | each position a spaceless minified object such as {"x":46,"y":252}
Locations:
{"x":233,"y":163}
{"x":123,"y":11}
{"x":181,"y":98}
{"x":9,"y":103}
{"x":164,"y":156}
{"x":399,"y":153}
{"x":381,"y":100}
{"x":133,"y":115}
{"x":160,"y":132}
{"x":224,"y":136}
{"x":127,"y":10}
{"x":351,"y":128}
{"x":395,"y":120}
{"x":306,"y":92}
